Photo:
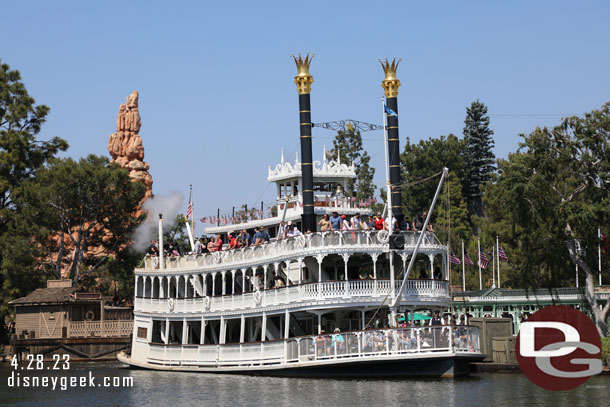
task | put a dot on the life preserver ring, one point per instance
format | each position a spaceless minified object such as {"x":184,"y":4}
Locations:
{"x":301,"y":241}
{"x":257,"y":298}
{"x":217,"y":257}
{"x":170,"y":304}
{"x":383,"y":236}
{"x":89,"y":315}
{"x":206,"y":303}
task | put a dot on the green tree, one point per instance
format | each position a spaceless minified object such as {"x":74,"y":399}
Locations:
{"x":551,"y":194}
{"x":75,"y":217}
{"x":348,"y":144}
{"x":421,"y":161}
{"x":477,"y":155}
{"x":21,"y":154}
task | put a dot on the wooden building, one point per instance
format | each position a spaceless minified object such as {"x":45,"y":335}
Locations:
{"x":61,"y":318}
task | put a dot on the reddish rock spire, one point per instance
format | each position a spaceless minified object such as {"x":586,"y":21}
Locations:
{"x":125,"y":146}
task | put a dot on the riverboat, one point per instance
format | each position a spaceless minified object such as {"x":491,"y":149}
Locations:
{"x":335,"y":309}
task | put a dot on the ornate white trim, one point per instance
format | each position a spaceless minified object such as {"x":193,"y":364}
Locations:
{"x":330,"y":169}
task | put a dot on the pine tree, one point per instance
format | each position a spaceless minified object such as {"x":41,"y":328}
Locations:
{"x":349,"y":145}
{"x":478,"y":157}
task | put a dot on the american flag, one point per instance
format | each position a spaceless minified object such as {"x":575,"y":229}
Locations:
{"x":453,"y":259}
{"x":467,"y":260}
{"x":483,"y":259}
{"x":189,"y":209}
{"x":502,"y":255}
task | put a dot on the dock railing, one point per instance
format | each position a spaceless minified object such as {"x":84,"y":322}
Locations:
{"x":109,"y":328}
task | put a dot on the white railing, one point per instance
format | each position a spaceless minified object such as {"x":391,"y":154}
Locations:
{"x":112,"y":328}
{"x":312,"y":349}
{"x":358,"y":291}
{"x":303,"y":244}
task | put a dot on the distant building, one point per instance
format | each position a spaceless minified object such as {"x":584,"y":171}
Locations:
{"x":63,"y":311}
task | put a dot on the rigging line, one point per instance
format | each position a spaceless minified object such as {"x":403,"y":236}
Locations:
{"x":399,"y":187}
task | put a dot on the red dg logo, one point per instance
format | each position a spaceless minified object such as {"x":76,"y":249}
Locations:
{"x":559,"y":348}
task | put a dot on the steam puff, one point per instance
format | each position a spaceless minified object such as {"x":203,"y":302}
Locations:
{"x":169,"y":206}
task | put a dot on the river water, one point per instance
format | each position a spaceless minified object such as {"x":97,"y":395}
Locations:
{"x":173,"y":389}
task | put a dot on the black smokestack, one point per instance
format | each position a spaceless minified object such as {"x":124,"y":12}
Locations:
{"x":390,"y":85}
{"x":303,"y":81}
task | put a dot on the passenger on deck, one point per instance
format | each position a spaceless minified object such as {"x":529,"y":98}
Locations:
{"x":218,"y":243}
{"x":153,"y":249}
{"x":233,"y":244}
{"x":335,"y":221}
{"x":212,"y":245}
{"x":324,"y":224}
{"x":418,"y":222}
{"x":338,"y":342}
{"x":281,"y":232}
{"x":204,"y":245}
{"x":198,"y":246}
{"x":355,"y":224}
{"x":379,"y":222}
{"x":265,"y":236}
{"x":293,"y":231}
{"x":363,"y":274}
{"x":345,"y":224}
{"x":257,"y":239}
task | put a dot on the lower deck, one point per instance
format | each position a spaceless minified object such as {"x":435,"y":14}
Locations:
{"x":431,"y":351}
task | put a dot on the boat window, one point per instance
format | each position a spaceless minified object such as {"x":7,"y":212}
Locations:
{"x":323,"y":186}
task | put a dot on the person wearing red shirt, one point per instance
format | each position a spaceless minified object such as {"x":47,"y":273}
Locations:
{"x":218,"y":243}
{"x":232,"y":242}
{"x":379,"y":222}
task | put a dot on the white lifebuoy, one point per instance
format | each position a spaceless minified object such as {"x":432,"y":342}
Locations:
{"x":206,"y":303}
{"x":257,"y":298}
{"x":170,"y":304}
{"x":383,"y":236}
{"x":89,"y":315}
{"x":217,"y":257}
{"x":300,"y":241}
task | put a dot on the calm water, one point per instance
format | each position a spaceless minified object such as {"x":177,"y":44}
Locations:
{"x":187,"y":389}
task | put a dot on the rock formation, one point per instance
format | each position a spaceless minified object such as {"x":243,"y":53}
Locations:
{"x":125,"y":146}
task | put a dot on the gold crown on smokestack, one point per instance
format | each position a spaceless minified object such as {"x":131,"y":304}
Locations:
{"x":390,"y":84}
{"x":303,"y":79}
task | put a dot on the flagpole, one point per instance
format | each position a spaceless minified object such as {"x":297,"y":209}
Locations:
{"x":463,"y":269}
{"x":599,"y":254}
{"x":479,"y":262}
{"x":192,"y":211}
{"x":493,"y":267}
{"x":498,"y":253}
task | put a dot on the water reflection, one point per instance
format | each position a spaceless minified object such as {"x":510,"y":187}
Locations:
{"x":152,"y":388}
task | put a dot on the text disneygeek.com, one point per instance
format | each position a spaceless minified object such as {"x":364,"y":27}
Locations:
{"x":37,"y":363}
{"x":67,"y":382}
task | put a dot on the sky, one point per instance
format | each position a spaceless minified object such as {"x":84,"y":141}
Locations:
{"x":217,"y":97}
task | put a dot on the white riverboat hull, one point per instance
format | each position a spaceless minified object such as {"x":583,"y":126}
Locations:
{"x":440,"y":365}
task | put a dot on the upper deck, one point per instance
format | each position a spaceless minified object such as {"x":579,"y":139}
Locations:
{"x":315,"y":245}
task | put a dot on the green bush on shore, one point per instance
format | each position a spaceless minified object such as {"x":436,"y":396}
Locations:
{"x":606,"y":351}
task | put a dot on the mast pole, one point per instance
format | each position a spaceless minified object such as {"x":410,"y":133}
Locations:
{"x":479,"y":262}
{"x":420,"y":238}
{"x":463,"y":269}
